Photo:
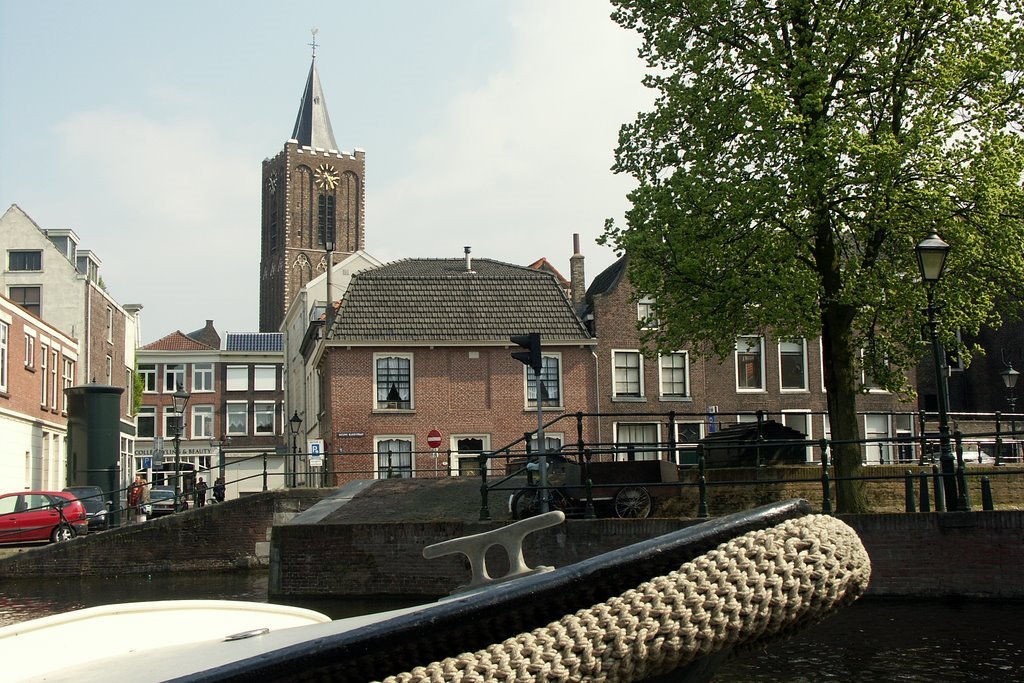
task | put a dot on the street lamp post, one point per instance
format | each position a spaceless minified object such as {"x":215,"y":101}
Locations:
{"x":1010,"y":376}
{"x":180,"y":398}
{"x":931,"y":260}
{"x":294,"y":423}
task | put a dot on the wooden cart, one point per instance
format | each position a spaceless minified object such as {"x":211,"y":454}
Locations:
{"x":622,"y":488}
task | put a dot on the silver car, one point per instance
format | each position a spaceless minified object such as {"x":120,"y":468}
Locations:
{"x":161,"y":499}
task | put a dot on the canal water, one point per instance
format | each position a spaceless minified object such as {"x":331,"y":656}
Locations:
{"x":872,"y":640}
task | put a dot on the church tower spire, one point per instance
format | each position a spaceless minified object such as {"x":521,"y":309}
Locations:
{"x":313,"y":125}
{"x":313,"y":205}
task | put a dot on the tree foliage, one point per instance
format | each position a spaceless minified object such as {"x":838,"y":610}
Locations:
{"x":798,"y":150}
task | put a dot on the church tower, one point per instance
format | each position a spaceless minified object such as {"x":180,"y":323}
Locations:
{"x":312,"y":204}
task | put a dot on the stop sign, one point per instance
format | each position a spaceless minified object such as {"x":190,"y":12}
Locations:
{"x":434,"y":438}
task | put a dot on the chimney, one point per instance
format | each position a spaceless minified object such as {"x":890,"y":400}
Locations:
{"x":469,"y":260}
{"x":577,"y":281}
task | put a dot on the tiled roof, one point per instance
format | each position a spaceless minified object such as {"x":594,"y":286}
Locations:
{"x":439,"y":300}
{"x":177,"y":341}
{"x":605,"y":282}
{"x":256,"y":341}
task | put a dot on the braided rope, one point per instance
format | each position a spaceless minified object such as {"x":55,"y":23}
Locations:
{"x":759,"y":585}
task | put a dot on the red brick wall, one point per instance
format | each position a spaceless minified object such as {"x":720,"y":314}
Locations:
{"x":712,"y":383}
{"x":453,"y":393}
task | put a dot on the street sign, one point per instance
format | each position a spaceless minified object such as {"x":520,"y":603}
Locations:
{"x":316,"y":452}
{"x":434,"y":438}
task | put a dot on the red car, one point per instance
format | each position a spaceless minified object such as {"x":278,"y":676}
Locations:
{"x":36,"y":516}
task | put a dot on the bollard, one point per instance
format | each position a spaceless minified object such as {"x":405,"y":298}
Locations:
{"x":826,"y":493}
{"x":986,"y":494}
{"x":485,"y":510}
{"x":925,"y":504}
{"x":908,"y":490}
{"x":702,"y":508}
{"x":590,"y":513}
{"x":939,"y":490}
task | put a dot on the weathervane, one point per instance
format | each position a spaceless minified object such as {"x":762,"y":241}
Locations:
{"x":313,"y":44}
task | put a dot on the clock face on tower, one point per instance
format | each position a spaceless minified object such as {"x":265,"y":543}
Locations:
{"x":326,"y":177}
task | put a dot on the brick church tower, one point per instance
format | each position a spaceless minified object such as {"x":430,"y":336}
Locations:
{"x":312,"y":204}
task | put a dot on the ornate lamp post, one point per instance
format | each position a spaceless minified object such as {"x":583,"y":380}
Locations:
{"x":294,"y":423}
{"x":931,"y":260}
{"x":1010,"y":376}
{"x":180,"y":398}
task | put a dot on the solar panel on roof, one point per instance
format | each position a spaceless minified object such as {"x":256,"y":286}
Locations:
{"x":257,"y":341}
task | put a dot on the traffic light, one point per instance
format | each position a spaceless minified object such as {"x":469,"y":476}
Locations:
{"x":530,"y":357}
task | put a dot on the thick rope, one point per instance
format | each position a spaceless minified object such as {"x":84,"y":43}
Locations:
{"x":755,"y":586}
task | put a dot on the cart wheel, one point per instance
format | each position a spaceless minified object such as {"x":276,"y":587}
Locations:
{"x":525,"y":503}
{"x":633,"y":501}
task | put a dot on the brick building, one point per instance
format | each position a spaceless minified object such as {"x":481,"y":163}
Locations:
{"x":47,"y":274}
{"x":783,"y":378}
{"x":423,"y":344}
{"x":234,"y":413}
{"x":37,"y":362}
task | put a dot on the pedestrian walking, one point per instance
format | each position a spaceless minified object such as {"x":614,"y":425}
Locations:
{"x":201,"y":492}
{"x":218,"y":490}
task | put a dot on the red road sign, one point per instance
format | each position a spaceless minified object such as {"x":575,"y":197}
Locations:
{"x":434,"y":438}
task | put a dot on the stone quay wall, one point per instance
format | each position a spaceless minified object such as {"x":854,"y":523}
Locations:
{"x":967,"y":554}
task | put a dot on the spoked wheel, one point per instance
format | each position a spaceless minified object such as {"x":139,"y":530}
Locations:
{"x":527,"y":502}
{"x":633,"y":501}
{"x":62,"y":532}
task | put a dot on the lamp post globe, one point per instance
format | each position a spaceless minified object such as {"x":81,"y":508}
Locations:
{"x":180,"y":398}
{"x":294,"y":424}
{"x":931,"y":255}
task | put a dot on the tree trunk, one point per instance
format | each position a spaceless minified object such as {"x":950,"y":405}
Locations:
{"x":840,"y":355}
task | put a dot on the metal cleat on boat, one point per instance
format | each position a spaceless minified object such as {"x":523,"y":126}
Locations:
{"x":509,"y":537}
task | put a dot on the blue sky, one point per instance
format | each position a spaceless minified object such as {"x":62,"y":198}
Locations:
{"x":142,"y":126}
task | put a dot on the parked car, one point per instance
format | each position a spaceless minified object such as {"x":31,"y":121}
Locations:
{"x":37,"y":516}
{"x":95,"y":502}
{"x":161,"y":500}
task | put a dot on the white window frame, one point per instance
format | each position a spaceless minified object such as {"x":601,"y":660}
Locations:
{"x":169,"y":426}
{"x":645,"y":314}
{"x":808,"y":421}
{"x":620,"y":454}
{"x":236,"y":378}
{"x":5,"y":338}
{"x":264,"y":408}
{"x":146,"y":412}
{"x":55,"y":377}
{"x":175,"y":372}
{"x":382,"y":405}
{"x":803,"y":360}
{"x":202,"y":378}
{"x":549,"y":437}
{"x":530,"y":382}
{"x":378,"y":440}
{"x":260,"y":378}
{"x":616,"y":395}
{"x":202,"y":422}
{"x":688,"y":445}
{"x":44,"y":375}
{"x":456,"y":456}
{"x":30,"y":350}
{"x":227,"y":418}
{"x":108,"y":368}
{"x":110,"y":324}
{"x":147,"y":371}
{"x":736,"y":363}
{"x":686,"y":376}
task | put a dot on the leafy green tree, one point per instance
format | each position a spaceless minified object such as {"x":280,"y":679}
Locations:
{"x":795,"y":154}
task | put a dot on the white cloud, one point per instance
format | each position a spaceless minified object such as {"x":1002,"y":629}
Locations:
{"x":522,"y":160}
{"x":193,"y":210}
